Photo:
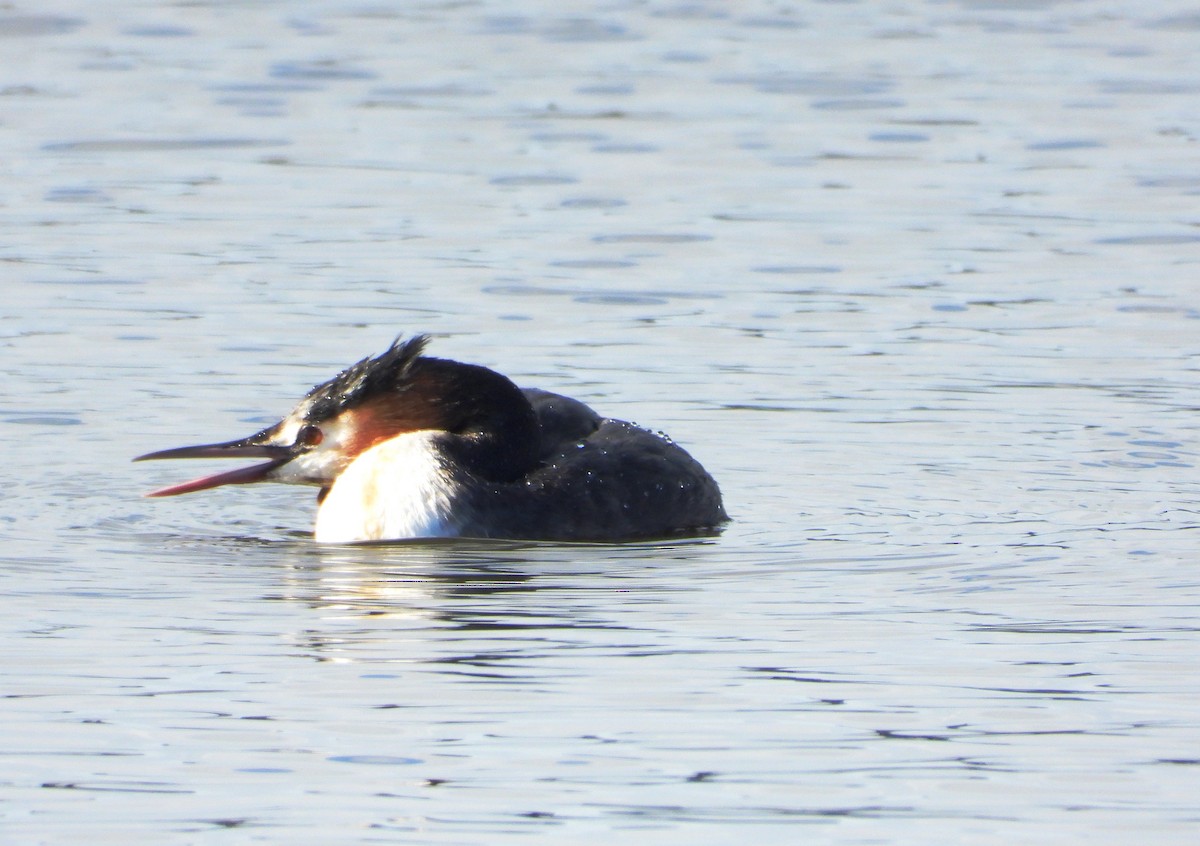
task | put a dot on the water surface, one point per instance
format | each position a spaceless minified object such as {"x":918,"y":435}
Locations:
{"x":915,"y":281}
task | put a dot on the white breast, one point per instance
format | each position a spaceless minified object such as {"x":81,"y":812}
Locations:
{"x":396,"y":489}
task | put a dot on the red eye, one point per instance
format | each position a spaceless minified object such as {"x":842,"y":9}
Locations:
{"x":309,"y":435}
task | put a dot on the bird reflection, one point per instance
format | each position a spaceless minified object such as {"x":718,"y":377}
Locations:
{"x":478,"y":604}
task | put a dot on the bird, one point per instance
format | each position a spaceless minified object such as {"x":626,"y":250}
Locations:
{"x":404,"y":446}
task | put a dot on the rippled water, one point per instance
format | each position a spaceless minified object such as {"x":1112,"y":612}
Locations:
{"x":916,"y":281}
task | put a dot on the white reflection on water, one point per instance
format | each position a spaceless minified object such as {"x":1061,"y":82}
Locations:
{"x":915,"y":282}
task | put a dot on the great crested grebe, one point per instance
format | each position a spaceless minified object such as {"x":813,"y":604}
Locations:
{"x":407,"y":446}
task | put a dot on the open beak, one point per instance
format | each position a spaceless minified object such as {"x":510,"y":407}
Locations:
{"x":251,"y":447}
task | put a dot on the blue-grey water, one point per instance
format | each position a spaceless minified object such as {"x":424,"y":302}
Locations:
{"x":919,"y":282}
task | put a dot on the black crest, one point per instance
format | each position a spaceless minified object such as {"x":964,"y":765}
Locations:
{"x":387,"y":371}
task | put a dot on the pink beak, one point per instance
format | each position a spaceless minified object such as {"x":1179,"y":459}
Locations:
{"x":245,"y":448}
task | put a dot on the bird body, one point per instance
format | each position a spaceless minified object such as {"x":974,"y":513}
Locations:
{"x":407,"y":446}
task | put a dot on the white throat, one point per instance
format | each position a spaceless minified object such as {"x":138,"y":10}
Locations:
{"x":396,"y":489}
